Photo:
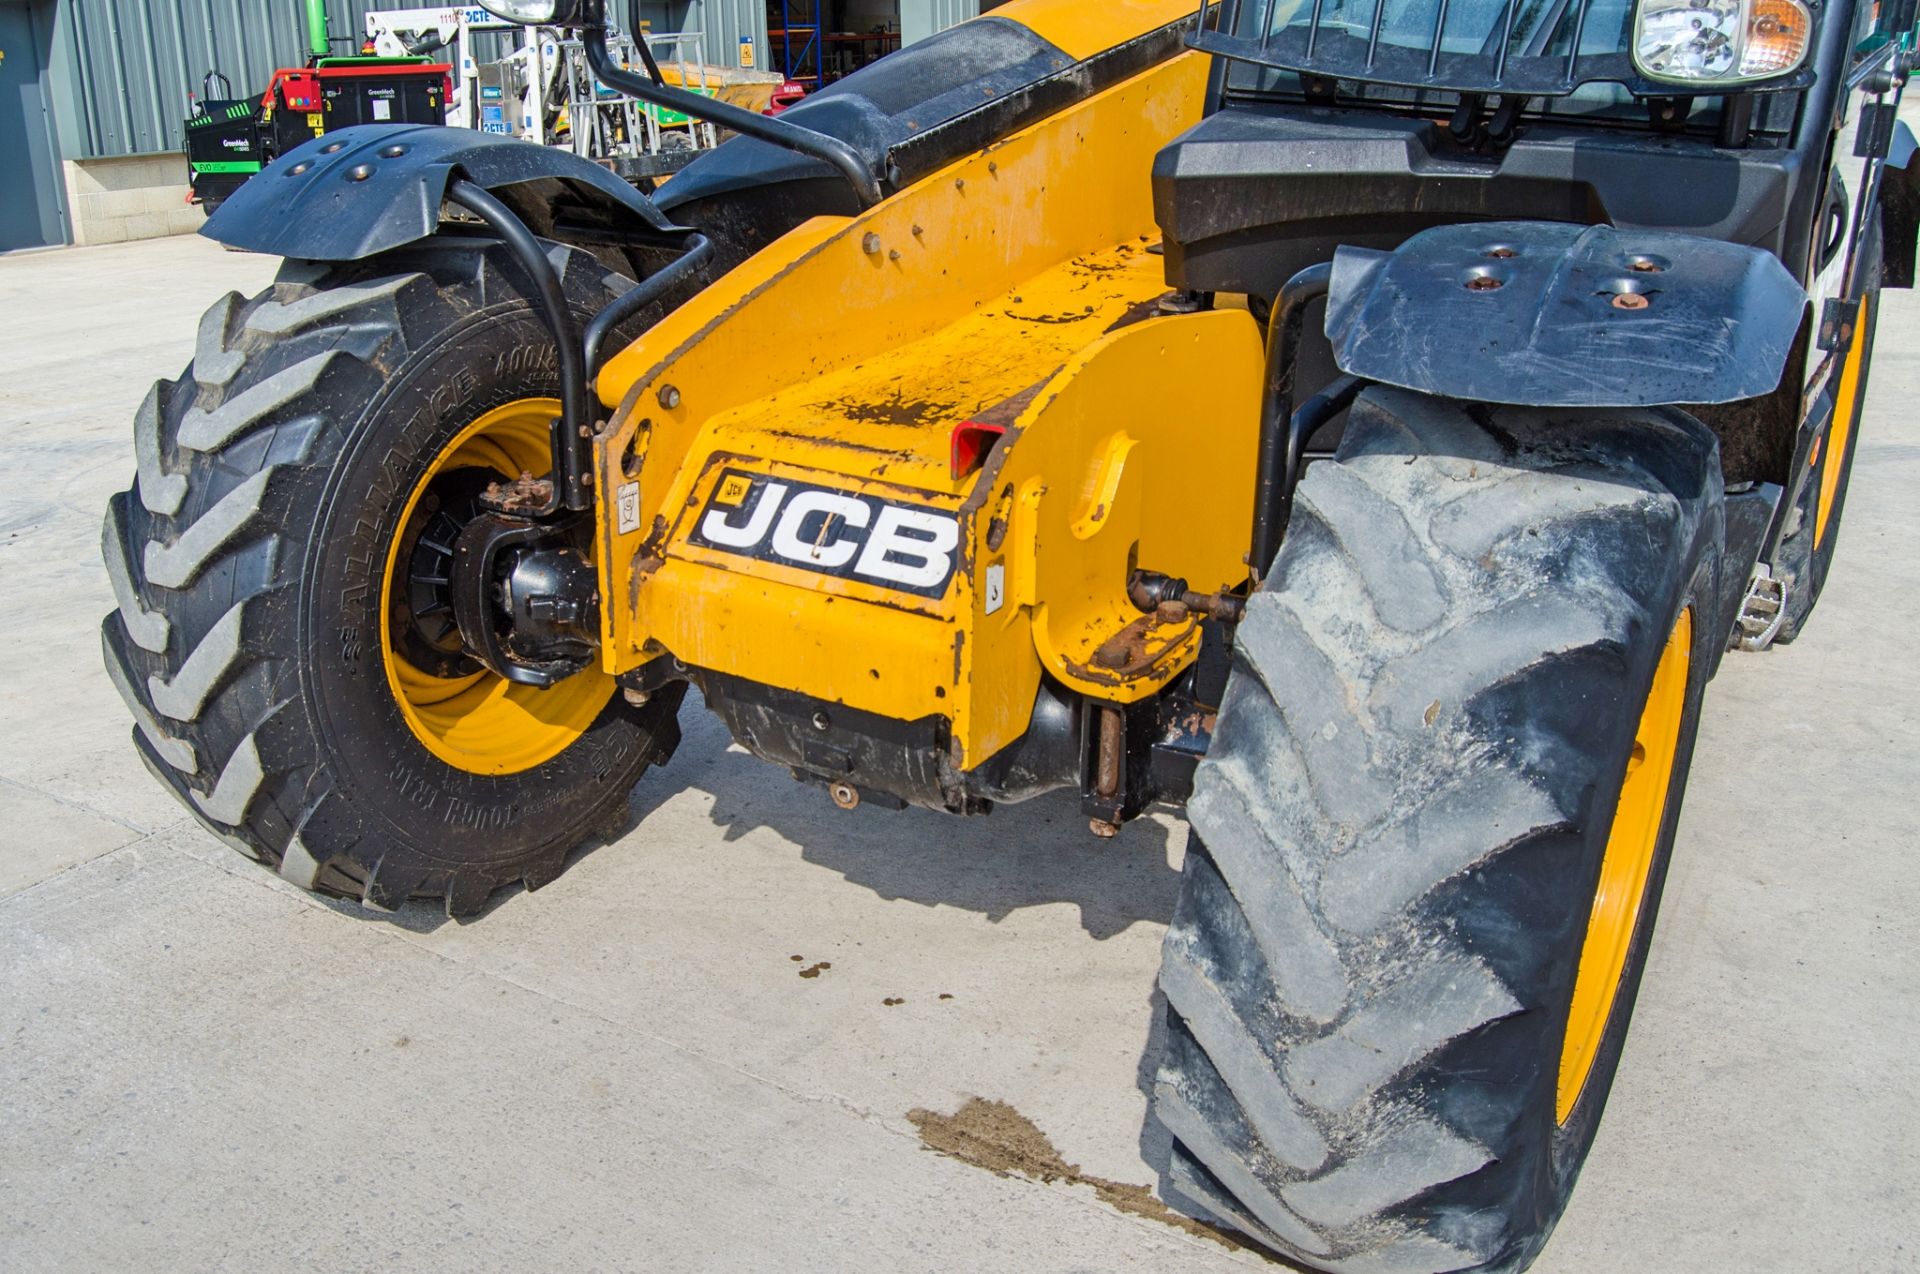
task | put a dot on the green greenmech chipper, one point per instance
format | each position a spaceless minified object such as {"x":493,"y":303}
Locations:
{"x":230,"y":139}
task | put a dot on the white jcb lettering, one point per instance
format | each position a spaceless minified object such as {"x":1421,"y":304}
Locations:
{"x":910,"y":548}
{"x":717,"y":529}
{"x":825,"y":549}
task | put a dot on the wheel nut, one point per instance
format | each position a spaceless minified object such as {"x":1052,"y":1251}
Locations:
{"x":1630,"y":301}
{"x":846,"y":796}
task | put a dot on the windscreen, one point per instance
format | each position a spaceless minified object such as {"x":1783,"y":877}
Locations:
{"x":1459,"y":27}
{"x":1530,"y":48}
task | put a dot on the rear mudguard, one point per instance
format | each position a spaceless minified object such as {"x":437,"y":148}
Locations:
{"x":362,"y":191}
{"x":1547,"y":314}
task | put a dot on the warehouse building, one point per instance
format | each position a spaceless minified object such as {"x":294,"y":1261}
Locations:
{"x":93,"y":93}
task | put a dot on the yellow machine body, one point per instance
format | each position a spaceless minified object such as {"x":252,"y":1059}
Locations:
{"x":779,"y":508}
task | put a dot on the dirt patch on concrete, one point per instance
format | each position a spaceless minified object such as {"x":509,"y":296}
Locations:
{"x":995,"y":1136}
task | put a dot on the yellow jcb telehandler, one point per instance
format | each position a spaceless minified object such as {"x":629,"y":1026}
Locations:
{"x":1365,"y":423}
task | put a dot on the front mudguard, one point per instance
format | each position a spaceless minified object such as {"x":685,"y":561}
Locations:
{"x":361,"y":191}
{"x":1547,"y":314}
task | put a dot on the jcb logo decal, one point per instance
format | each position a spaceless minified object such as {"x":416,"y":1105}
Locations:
{"x":832,"y":532}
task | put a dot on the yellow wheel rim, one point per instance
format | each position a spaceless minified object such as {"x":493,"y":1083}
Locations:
{"x":1845,"y":408}
{"x":481,"y":723}
{"x":1625,"y":868}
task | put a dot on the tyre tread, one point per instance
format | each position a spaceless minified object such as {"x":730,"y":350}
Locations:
{"x":1449,"y":561}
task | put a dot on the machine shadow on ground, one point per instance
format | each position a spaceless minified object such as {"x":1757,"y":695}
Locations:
{"x":1030,"y":855}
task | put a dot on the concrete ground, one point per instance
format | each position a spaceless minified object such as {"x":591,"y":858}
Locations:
{"x":203,"y":1069}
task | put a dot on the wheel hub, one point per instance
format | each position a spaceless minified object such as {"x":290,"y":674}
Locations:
{"x":455,"y":692}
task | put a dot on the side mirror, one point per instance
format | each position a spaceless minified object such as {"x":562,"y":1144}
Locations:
{"x":548,"y":13}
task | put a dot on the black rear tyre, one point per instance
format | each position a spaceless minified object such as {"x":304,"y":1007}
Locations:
{"x":1401,"y":823}
{"x":252,"y":558}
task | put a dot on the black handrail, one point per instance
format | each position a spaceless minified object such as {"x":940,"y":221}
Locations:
{"x":699,"y":251}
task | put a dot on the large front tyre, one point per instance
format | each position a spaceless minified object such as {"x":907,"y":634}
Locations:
{"x":283,"y":636}
{"x":1431,"y":832}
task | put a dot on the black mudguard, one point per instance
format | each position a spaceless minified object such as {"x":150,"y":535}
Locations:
{"x":1546,"y":314}
{"x":361,"y":191}
{"x":1899,"y":210}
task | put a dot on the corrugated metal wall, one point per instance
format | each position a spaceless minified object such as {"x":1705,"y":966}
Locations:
{"x":125,"y":67}
{"x":722,"y":24}
{"x":920,"y":18}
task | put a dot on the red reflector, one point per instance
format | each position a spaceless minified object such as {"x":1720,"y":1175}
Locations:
{"x":971,"y":443}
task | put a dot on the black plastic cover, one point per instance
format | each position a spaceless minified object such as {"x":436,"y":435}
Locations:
{"x":1899,"y":210}
{"x":1551,"y":315}
{"x":908,"y":115}
{"x":1249,"y":196}
{"x":908,"y":92}
{"x":369,"y":189}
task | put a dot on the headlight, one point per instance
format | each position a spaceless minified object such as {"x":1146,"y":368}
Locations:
{"x":540,"y":13}
{"x":1720,"y":42}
